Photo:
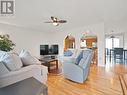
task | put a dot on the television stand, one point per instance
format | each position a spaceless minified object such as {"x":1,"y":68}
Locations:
{"x":53,"y":56}
{"x":48,"y":57}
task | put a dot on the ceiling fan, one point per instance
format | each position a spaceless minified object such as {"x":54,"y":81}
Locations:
{"x":55,"y":21}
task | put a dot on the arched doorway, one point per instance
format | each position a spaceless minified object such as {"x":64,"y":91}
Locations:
{"x":88,"y":41}
{"x":112,"y":42}
{"x":69,"y":42}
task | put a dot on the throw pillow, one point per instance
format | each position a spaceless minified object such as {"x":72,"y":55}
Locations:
{"x":68,"y":53}
{"x":79,"y":58}
{"x":3,"y":69}
{"x":11,"y":61}
{"x":28,"y":59}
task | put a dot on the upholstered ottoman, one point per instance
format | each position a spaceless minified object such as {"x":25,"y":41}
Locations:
{"x":29,"y":86}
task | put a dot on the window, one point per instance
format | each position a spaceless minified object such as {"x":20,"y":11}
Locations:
{"x":116,"y":42}
{"x":112,"y":43}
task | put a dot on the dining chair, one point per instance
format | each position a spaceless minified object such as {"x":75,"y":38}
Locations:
{"x":118,"y":54}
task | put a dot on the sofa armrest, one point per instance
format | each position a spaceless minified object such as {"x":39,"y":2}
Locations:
{"x":44,"y":70}
{"x":13,"y":77}
{"x":37,"y":71}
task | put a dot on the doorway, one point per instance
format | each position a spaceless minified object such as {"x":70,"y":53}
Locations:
{"x":69,"y":42}
{"x":111,"y":43}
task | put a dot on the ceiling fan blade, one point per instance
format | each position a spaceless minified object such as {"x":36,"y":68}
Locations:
{"x":54,"y":18}
{"x":62,"y":21}
{"x":48,"y":22}
{"x":55,"y":21}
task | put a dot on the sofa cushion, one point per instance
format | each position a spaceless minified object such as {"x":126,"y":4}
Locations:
{"x":3,"y":69}
{"x":28,"y":59}
{"x":11,"y":61}
{"x":68,"y":53}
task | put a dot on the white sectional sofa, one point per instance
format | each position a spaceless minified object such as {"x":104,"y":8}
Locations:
{"x":15,"y":68}
{"x":39,"y":72}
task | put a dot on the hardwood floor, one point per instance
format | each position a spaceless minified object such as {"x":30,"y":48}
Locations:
{"x":111,"y":80}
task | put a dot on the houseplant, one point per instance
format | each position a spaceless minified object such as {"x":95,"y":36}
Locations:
{"x":5,"y":43}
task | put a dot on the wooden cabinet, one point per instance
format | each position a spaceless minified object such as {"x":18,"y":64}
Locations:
{"x":95,"y":56}
{"x":90,"y":41}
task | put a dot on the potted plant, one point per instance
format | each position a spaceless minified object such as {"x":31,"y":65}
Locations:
{"x":5,"y":43}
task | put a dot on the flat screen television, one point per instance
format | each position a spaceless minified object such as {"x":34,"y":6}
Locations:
{"x":49,"y":49}
{"x":44,"y":49}
{"x":53,"y":49}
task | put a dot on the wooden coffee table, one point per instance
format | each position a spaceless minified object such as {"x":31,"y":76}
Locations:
{"x":47,"y":62}
{"x":28,"y":86}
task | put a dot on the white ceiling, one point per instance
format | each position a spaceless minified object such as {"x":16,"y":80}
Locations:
{"x":33,"y":13}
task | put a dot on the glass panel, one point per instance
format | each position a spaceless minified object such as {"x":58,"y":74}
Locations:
{"x":116,"y":42}
{"x":112,"y":43}
{"x":109,"y":43}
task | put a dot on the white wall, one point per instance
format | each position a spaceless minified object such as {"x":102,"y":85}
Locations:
{"x":25,"y":38}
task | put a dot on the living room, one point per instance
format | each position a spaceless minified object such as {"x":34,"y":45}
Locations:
{"x":26,"y":28}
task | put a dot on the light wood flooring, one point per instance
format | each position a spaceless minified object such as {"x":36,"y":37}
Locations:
{"x":109,"y":80}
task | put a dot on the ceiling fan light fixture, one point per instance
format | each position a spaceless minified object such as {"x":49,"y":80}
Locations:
{"x":55,"y":23}
{"x":112,"y":36}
